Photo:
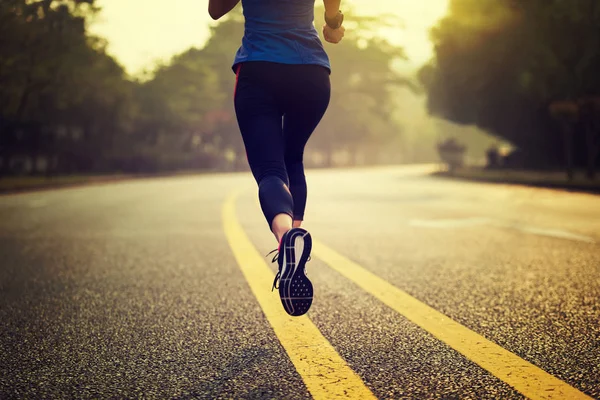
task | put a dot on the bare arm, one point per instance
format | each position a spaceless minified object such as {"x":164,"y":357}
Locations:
{"x":333,"y":31}
{"x":331,"y":7}
{"x":218,"y":8}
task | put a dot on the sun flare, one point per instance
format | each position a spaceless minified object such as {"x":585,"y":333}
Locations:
{"x":140,"y":32}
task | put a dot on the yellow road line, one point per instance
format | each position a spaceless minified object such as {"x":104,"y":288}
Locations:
{"x":325,"y":374}
{"x":525,"y":377}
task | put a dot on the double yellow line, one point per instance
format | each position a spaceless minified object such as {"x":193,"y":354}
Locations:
{"x":326,"y":375}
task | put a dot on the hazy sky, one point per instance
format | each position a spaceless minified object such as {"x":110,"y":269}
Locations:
{"x":142,"y":31}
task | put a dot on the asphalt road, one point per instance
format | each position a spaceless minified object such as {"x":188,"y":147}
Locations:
{"x":132,"y":290}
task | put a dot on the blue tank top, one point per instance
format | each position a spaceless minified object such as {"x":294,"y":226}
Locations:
{"x":281,"y":31}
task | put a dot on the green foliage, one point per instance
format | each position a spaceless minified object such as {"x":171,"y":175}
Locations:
{"x":499,"y":64}
{"x":363,"y":89}
{"x":65,"y":103}
{"x":59,"y":91}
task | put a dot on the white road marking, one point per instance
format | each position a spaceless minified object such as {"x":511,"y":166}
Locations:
{"x":475,"y":221}
{"x":39,"y":203}
{"x":449,"y":223}
{"x":557,"y":233}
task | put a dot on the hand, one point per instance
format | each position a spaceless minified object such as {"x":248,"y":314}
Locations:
{"x":333,"y":35}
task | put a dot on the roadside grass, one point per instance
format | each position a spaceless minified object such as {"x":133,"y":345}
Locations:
{"x":16,"y":184}
{"x":549,"y":179}
{"x":22,"y":183}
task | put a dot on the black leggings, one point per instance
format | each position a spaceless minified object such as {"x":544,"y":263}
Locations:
{"x":278,"y":106}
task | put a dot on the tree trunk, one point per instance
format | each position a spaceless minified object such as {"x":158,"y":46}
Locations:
{"x":592,"y":144}
{"x":5,"y":166}
{"x":353,"y":156}
{"x":23,"y":101}
{"x":328,"y":156}
{"x":568,"y":136}
{"x":589,"y":113}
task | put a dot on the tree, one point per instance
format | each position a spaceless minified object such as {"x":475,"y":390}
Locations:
{"x":500,"y":64}
{"x":58,"y":88}
{"x":363,"y":81}
{"x":65,"y":103}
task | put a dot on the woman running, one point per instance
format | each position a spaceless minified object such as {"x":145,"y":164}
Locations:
{"x":282,"y":91}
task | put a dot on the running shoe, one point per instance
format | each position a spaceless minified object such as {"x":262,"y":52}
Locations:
{"x":295,"y":289}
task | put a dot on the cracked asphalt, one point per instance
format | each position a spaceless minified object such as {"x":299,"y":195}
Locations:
{"x":131,"y":290}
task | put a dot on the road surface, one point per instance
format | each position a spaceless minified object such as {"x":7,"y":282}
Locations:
{"x":424,"y":288}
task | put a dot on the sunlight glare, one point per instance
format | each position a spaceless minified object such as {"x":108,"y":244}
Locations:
{"x":140,"y":32}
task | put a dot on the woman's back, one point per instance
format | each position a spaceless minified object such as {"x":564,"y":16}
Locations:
{"x":279,"y":15}
{"x":281,"y":93}
{"x":281,"y":31}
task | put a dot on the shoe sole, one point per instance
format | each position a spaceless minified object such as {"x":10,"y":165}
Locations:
{"x":295,"y":289}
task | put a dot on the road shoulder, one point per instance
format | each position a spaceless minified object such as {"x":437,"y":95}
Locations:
{"x":551,"y":180}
